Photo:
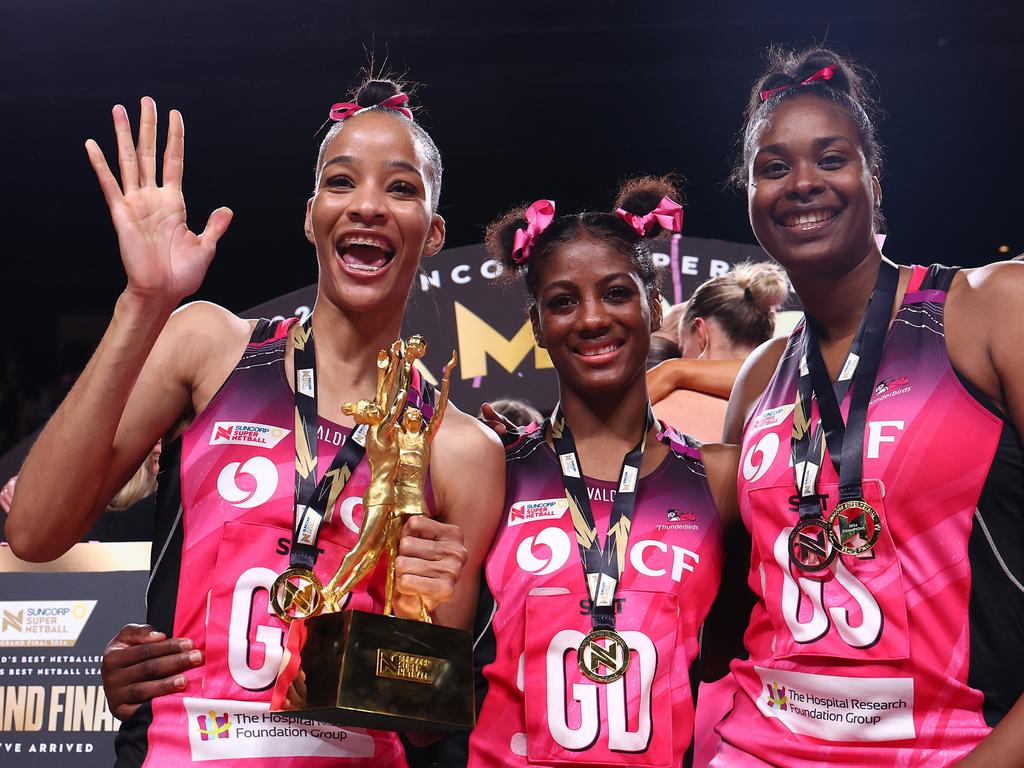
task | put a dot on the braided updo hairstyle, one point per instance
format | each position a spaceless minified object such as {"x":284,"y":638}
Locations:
{"x":370,"y":94}
{"x":847,"y":89}
{"x":638,"y":196}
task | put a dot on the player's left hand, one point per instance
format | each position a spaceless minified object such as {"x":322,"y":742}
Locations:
{"x":431,"y":555}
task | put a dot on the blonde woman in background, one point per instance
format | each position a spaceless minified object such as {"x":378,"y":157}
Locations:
{"x":725,"y":319}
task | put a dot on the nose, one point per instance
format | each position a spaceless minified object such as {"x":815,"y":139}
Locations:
{"x":804,"y":181}
{"x":366,"y":205}
{"x":593,"y":316}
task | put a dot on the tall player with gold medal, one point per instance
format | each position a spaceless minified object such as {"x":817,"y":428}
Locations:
{"x":251,"y":486}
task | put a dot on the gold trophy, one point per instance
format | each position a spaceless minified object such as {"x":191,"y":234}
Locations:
{"x":377,"y":670}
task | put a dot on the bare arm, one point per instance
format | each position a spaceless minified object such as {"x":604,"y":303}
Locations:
{"x":139,"y":383}
{"x":985,"y":338}
{"x":721,"y":462}
{"x":709,"y":377}
{"x":753,"y":377}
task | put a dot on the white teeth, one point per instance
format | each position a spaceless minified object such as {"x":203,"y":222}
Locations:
{"x":805,"y":220}
{"x":362,"y":267}
{"x":601,"y":351}
{"x":373,"y":242}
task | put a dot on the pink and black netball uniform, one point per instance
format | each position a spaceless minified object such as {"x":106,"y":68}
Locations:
{"x":905,"y":655}
{"x":224,"y":523}
{"x":539,"y":709}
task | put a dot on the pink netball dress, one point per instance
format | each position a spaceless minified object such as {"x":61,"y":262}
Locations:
{"x":223,"y":536}
{"x":903,"y":655}
{"x":539,"y":708}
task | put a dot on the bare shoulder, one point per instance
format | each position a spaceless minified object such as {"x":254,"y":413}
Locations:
{"x":754,"y":376}
{"x":984,"y":334}
{"x":203,"y":341}
{"x":1001,"y":282}
{"x":463,"y":436}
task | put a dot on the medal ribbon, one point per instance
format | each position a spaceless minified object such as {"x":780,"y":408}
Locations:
{"x":845,"y":440}
{"x":602,"y":568}
{"x":314,"y":501}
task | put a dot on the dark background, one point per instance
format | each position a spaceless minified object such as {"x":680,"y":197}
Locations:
{"x":558,"y":99}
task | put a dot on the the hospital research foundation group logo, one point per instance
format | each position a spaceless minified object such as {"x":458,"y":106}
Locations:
{"x":214,"y":726}
{"x":777,"y":696}
{"x":41,"y":623}
{"x":837,"y":708}
{"x":221,"y":729}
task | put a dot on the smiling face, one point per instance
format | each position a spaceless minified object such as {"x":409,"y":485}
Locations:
{"x":811,"y":194}
{"x":594,"y":317}
{"x":371,"y":217}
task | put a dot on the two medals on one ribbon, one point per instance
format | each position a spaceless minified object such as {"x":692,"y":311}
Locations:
{"x":853,"y":526}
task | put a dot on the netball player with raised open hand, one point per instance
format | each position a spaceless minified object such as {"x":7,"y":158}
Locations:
{"x":260,"y":473}
{"x":881,"y":467}
{"x":608,"y":555}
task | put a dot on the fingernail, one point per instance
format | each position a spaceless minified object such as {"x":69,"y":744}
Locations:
{"x":195,"y":657}
{"x":154,"y":633}
{"x":185,"y":644}
{"x":179,"y":681}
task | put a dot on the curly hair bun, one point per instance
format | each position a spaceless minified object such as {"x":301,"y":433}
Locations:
{"x":642,"y":194}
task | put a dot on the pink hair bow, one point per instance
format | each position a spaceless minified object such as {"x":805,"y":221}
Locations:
{"x":825,"y":73}
{"x":538,"y":218}
{"x":345,"y":109}
{"x":669,"y":214}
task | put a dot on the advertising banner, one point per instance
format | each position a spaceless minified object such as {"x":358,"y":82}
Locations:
{"x":55,"y":620}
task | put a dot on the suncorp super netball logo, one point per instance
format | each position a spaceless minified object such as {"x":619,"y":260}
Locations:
{"x":43,"y":622}
{"x":542,"y":509}
{"x":245,"y":433}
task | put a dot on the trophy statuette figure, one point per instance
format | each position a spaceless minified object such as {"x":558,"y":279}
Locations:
{"x":371,"y":670}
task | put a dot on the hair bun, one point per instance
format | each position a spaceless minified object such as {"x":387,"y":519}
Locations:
{"x":500,"y":238}
{"x":763,"y":283}
{"x":642,"y":194}
{"x":375,"y":90}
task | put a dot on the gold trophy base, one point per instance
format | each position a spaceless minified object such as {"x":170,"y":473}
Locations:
{"x":373,"y":671}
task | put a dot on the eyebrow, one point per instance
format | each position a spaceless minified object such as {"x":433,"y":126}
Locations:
{"x":350,"y":160}
{"x":604,"y":280}
{"x":818,"y":144}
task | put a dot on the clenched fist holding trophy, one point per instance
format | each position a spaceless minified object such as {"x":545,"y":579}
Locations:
{"x":377,"y":670}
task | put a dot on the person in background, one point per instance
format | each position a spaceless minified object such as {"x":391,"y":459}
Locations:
{"x":725,"y":319}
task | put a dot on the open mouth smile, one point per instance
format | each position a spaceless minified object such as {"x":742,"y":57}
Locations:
{"x":365,"y":253}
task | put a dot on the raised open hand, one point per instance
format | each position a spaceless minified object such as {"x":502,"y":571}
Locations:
{"x":164,"y":260}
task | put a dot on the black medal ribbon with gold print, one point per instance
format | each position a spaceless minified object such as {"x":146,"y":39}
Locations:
{"x":853,"y":526}
{"x":297,"y":592}
{"x":603,"y":648}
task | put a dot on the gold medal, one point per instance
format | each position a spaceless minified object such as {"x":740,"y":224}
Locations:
{"x":296,"y":594}
{"x":854,"y":527}
{"x":810,"y":546}
{"x":613,"y":656}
